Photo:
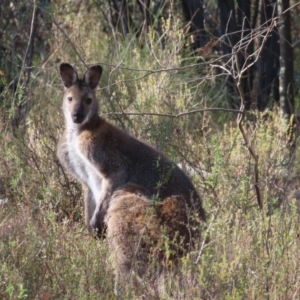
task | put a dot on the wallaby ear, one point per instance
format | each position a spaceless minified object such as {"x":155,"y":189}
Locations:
{"x":68,"y":74}
{"x":92,"y":76}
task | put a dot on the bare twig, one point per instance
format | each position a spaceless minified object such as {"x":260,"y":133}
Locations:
{"x":241,"y":116}
{"x":175,"y":115}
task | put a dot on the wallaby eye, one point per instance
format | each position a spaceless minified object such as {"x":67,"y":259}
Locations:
{"x":88,"y":101}
{"x":70,"y":99}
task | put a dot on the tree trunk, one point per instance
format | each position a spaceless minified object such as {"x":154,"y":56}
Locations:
{"x":193,"y":11}
{"x":286,"y":62}
{"x":244,"y":26}
{"x":268,"y":62}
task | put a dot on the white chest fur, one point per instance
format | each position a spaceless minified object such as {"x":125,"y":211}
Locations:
{"x":83,"y":168}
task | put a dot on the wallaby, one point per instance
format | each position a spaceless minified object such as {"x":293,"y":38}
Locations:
{"x":105,"y":158}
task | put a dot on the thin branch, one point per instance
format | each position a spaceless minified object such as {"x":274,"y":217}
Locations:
{"x":269,"y":30}
{"x":295,"y":44}
{"x":241,"y":115}
{"x":175,"y":115}
{"x":248,"y":145}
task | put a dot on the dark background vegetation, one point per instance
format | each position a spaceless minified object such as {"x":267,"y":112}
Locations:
{"x":213,"y":84}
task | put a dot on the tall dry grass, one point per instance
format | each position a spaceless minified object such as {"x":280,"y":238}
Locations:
{"x":45,"y":251}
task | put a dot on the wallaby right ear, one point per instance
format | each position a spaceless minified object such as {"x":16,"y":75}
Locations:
{"x":92,"y":76}
{"x":68,"y":74}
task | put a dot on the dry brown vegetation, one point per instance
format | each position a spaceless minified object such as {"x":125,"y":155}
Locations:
{"x":45,"y":250}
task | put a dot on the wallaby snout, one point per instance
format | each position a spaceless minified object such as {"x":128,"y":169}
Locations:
{"x":78,"y":114}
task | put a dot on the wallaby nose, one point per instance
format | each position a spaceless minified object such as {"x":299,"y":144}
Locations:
{"x":78,"y":116}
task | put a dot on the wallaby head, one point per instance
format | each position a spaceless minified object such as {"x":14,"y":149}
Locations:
{"x":80,"y":103}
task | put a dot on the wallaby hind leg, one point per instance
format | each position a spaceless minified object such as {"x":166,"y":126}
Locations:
{"x":137,"y":230}
{"x":127,"y":220}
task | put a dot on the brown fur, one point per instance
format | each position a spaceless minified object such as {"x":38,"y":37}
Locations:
{"x":141,"y":231}
{"x":104,"y":158}
{"x":120,"y":175}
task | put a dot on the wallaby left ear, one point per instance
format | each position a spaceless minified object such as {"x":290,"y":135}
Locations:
{"x":68,"y":75}
{"x":92,"y":76}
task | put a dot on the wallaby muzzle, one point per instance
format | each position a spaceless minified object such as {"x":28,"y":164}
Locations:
{"x":78,"y":114}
